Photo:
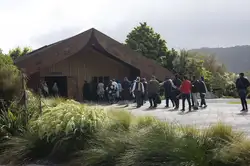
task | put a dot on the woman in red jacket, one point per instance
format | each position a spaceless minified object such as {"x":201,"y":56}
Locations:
{"x":185,"y":89}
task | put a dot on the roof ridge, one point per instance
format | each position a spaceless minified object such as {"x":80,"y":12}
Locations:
{"x":49,"y":45}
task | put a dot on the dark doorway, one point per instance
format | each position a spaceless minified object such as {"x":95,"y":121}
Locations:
{"x":106,"y":80}
{"x":61,"y":83}
{"x":134,"y":72}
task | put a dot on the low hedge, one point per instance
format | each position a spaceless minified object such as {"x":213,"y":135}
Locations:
{"x":70,"y":133}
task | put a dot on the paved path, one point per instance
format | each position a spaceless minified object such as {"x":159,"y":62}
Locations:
{"x":217,"y":110}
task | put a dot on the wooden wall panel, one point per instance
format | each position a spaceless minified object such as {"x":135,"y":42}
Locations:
{"x":85,"y":65}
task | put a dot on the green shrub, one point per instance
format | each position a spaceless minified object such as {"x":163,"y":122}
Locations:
{"x":77,"y":134}
{"x":10,"y":80}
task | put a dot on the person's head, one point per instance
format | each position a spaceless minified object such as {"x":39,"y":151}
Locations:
{"x":185,"y":77}
{"x":100,"y":81}
{"x":143,"y":80}
{"x":194,"y":78}
{"x":166,"y":78}
{"x":153,"y":78}
{"x":138,"y":79}
{"x":176,"y":76}
{"x":241,"y":74}
{"x":202,"y":78}
{"x":125,"y":79}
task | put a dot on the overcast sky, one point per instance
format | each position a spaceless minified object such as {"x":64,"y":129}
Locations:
{"x":182,"y":23}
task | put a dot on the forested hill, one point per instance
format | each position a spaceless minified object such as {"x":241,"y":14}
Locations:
{"x":236,"y":59}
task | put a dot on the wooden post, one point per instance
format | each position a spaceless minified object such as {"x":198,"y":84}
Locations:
{"x":40,"y":92}
{"x":24,"y":96}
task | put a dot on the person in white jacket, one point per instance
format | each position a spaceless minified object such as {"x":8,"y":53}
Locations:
{"x":138,"y":91}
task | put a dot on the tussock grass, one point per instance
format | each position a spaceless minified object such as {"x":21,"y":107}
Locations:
{"x":77,"y":134}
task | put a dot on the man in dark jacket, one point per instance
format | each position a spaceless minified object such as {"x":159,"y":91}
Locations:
{"x":126,"y":90}
{"x":153,"y":90}
{"x":242,"y":84}
{"x":145,"y":95}
{"x":176,"y":92}
{"x":203,"y":91}
{"x":195,"y":91}
{"x":168,"y":89}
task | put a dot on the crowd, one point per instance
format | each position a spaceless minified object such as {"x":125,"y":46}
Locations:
{"x":140,"y":90}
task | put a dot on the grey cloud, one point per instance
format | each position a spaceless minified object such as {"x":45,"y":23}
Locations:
{"x":189,"y":25}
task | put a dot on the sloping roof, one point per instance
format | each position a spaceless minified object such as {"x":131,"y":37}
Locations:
{"x":51,"y":54}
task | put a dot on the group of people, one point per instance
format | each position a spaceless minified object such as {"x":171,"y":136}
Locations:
{"x":141,"y":90}
{"x":173,"y":91}
{"x":47,"y":92}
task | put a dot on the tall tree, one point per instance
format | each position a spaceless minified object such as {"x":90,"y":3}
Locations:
{"x":169,"y":58}
{"x":145,"y":40}
{"x":17,"y":52}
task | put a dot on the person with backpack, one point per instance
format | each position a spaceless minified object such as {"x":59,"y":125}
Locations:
{"x":242,"y":83}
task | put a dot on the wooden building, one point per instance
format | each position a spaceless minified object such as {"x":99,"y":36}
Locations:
{"x":89,"y":56}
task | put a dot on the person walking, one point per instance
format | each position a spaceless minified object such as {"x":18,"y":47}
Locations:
{"x":153,"y":89}
{"x":100,"y":91}
{"x":126,"y":90}
{"x":186,"y":93}
{"x":242,"y":83}
{"x":168,"y":90}
{"x":138,"y":90}
{"x":119,"y":89}
{"x":202,"y":91}
{"x":195,"y":92}
{"x":55,"y":90}
{"x":176,"y":91}
{"x":145,"y":94}
{"x":45,"y":89}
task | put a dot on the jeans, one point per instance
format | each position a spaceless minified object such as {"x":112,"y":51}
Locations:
{"x":188,"y":98}
{"x":243,"y":96}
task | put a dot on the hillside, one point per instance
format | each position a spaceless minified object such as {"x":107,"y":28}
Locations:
{"x":236,"y":59}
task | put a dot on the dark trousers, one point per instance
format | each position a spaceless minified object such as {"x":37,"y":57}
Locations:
{"x":168,"y":97}
{"x":184,"y":98}
{"x":203,"y":101}
{"x":138,"y":98}
{"x":192,"y":99}
{"x":243,"y":96}
{"x":176,"y":99}
{"x":144,"y":97}
{"x":151,"y":98}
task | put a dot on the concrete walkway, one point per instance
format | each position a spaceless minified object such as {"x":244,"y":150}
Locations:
{"x":218,"y":110}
